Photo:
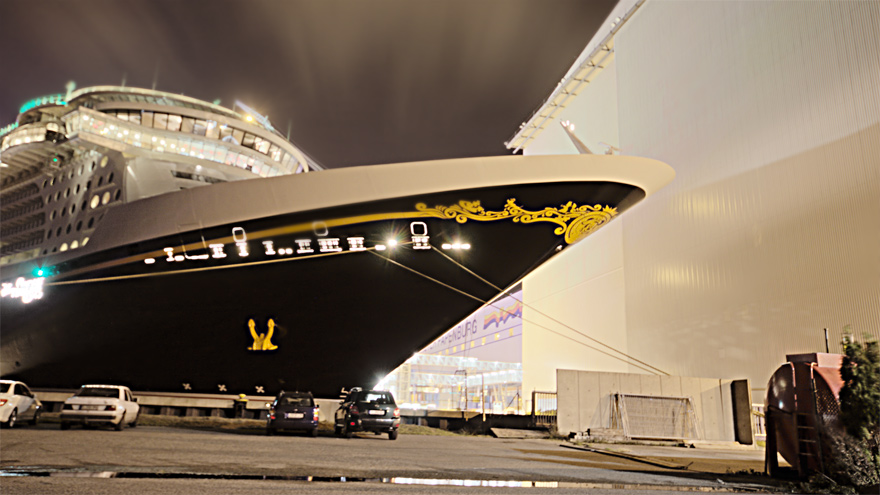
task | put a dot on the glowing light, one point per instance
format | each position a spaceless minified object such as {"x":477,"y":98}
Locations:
{"x":217,"y":251}
{"x":446,"y":245}
{"x":170,"y":252}
{"x":304,"y":246}
{"x":392,"y":243}
{"x":150,"y":261}
{"x":456,"y":245}
{"x":25,"y":289}
{"x":249,"y":118}
{"x":420,"y":242}
{"x":356,"y":244}
{"x":242,"y":249}
{"x":380,"y":247}
{"x":465,"y":246}
{"x":269,"y":245}
{"x":329,"y":245}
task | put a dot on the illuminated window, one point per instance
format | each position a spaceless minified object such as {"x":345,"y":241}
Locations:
{"x":472,"y":344}
{"x":497,"y":336}
{"x":147,"y":119}
{"x":85,"y":241}
{"x":95,"y":201}
{"x":63,"y":247}
{"x":511,"y":332}
{"x":160,"y":121}
{"x":104,"y":162}
{"x":187,"y":126}
{"x":483,"y":342}
{"x":74,"y":245}
{"x":200,"y":127}
{"x":106,"y":198}
{"x":174,"y":122}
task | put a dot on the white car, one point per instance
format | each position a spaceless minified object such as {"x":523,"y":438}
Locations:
{"x":18,"y":402}
{"x":101,"y":405}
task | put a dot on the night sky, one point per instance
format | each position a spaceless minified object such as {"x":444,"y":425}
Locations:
{"x":357,"y":82}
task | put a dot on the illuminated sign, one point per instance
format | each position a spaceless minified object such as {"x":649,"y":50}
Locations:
{"x":25,"y":289}
{"x":43,"y":100}
{"x":328,"y":245}
{"x":263,"y":341}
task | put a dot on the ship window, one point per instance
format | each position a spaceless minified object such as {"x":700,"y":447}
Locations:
{"x":147,"y":119}
{"x":225,"y":132}
{"x":68,"y":229}
{"x":72,"y":208}
{"x":248,"y":141}
{"x":58,"y":232}
{"x":174,"y":122}
{"x":63,"y":211}
{"x":67,"y":192}
{"x":83,"y":207}
{"x":79,"y":225}
{"x":92,"y":167}
{"x":200,"y":127}
{"x":44,"y":184}
{"x":187,"y":126}
{"x":74,"y":245}
{"x":95,"y":201}
{"x":110,"y":178}
{"x":52,"y":182}
{"x":160,"y":121}
{"x":238,"y":136}
{"x":76,"y":190}
{"x":49,"y":235}
{"x":54,"y":249}
{"x":134,"y":116}
{"x":275,"y":153}
{"x":57,"y":195}
{"x":52,"y":215}
{"x":106,"y":198}
{"x":48,"y":199}
{"x":88,"y":185}
{"x":70,"y":174}
{"x":121,"y":115}
{"x":118,"y":193}
{"x":104,"y":162}
{"x":85,"y":241}
{"x":80,"y":171}
{"x":213,"y":130}
{"x":100,"y":181}
{"x":91,"y":222}
{"x":262,"y":146}
{"x":64,"y":247}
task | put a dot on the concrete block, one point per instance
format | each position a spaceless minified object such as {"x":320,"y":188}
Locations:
{"x":650,"y":385}
{"x":609,"y":384}
{"x":567,"y":401}
{"x":670,"y":386}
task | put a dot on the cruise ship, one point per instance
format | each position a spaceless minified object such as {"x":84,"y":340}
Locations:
{"x":171,"y":244}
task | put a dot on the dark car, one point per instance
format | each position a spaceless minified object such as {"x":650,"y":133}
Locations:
{"x":293,"y":411}
{"x":368,"y":410}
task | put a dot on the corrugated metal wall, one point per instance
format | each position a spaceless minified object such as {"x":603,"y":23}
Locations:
{"x":770,"y":114}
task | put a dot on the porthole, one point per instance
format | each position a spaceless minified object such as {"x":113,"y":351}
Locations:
{"x":67,"y":192}
{"x":48,"y":199}
{"x":52,"y":215}
{"x":54,"y":249}
{"x":93,"y":166}
{"x":100,"y":181}
{"x":110,"y":178}
{"x":58,"y":232}
{"x":63,"y":211}
{"x":85,"y":241}
{"x":76,"y":191}
{"x":91,"y":222}
{"x":72,"y":208}
{"x":64,"y":247}
{"x":45,"y":252}
{"x":49,"y":235}
{"x":74,"y":245}
{"x":57,"y":195}
{"x":106,"y":198}
{"x":68,"y":228}
{"x":70,"y":174}
{"x":79,"y":225}
{"x":52,"y":181}
{"x":80,"y":171}
{"x":118,"y":193}
{"x":44,"y":183}
{"x":84,"y":205}
{"x":103,"y":162}
{"x":95,"y":201}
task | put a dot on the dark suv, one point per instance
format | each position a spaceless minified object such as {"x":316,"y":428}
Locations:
{"x":293,"y":411}
{"x":368,"y":410}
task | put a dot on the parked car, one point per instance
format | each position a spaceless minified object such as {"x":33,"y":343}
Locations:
{"x":293,"y":411}
{"x":367,"y":410}
{"x":101,"y":405}
{"x":17,"y":402}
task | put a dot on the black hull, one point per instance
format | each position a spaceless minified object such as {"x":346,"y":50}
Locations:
{"x":343,"y":319}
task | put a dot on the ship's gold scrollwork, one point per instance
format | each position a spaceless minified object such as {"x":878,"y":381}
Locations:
{"x":573,"y":221}
{"x":263,"y":341}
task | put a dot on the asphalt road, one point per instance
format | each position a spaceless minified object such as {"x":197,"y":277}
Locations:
{"x":172,"y":460}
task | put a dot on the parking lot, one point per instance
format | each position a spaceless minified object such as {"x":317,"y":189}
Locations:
{"x":151,"y":459}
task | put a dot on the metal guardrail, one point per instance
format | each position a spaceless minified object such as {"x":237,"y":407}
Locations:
{"x":544,"y":408}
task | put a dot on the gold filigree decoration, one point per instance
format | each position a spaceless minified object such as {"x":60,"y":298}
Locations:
{"x":573,"y":221}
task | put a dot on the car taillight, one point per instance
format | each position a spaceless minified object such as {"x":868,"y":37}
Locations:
{"x":110,"y":408}
{"x":2,"y":402}
{"x":271,"y":416}
{"x":396,"y":412}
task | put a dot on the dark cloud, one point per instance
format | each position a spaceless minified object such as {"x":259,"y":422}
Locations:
{"x":357,"y":82}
